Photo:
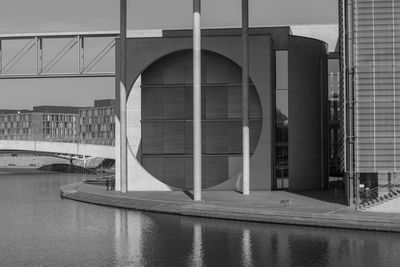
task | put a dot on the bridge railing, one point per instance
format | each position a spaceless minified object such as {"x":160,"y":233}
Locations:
{"x":60,"y":138}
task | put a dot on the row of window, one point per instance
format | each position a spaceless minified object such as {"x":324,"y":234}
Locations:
{"x":17,"y":117}
{"x":96,"y":120}
{"x":57,"y":124}
{"x":101,"y":135}
{"x":16,"y":131}
{"x":109,"y":111}
{"x":59,"y":117}
{"x":97,"y":128}
{"x":58,"y":131}
{"x":16,"y":124}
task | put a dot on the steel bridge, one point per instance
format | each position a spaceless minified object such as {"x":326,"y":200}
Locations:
{"x":34,"y":47}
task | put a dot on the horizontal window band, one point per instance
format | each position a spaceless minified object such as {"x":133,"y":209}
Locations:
{"x":190,"y":85}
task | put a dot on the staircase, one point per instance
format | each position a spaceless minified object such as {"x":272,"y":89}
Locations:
{"x":128,"y":203}
{"x":373,"y":197}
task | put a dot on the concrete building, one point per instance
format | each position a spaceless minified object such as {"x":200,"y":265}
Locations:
{"x":370,"y":47}
{"x":53,"y":123}
{"x":288,"y":111}
{"x":97,"y":124}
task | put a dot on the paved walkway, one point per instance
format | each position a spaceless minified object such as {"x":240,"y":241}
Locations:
{"x":315,"y":208}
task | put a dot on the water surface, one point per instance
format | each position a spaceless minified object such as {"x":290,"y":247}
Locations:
{"x":37,"y":228}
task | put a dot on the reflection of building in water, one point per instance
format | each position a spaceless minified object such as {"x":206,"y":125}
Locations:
{"x":247,"y":254}
{"x":197,"y":249}
{"x":153,"y":239}
{"x":130,"y":227}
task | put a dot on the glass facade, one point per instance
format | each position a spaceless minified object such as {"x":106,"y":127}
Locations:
{"x":281,"y":121}
{"x":373,"y":68}
{"x":370,"y":102}
{"x":334,"y":123}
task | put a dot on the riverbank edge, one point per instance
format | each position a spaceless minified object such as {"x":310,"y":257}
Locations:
{"x":353,"y":221}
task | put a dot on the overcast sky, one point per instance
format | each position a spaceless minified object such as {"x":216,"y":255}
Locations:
{"x":25,"y":16}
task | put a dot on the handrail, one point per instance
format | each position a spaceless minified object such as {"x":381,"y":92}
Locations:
{"x":374,"y":189}
{"x":59,"y":138}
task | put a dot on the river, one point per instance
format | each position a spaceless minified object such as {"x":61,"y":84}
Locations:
{"x":37,"y":228}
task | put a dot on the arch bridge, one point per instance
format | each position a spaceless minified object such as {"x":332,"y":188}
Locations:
{"x":79,"y":148}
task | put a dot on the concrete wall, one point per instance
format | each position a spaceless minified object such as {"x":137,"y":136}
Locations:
{"x":142,"y":52}
{"x":307,"y":114}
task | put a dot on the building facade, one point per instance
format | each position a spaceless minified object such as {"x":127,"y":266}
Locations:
{"x":288,"y":111}
{"x":370,"y":53}
{"x":53,"y":123}
{"x":96,"y":124}
{"x":92,"y":125}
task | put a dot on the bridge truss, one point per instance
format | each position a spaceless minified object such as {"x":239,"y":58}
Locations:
{"x":43,"y":56}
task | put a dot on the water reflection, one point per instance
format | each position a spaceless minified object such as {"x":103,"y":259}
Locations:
{"x":246,"y":248}
{"x":156,"y":239}
{"x":38,"y":228}
{"x":197,"y":252}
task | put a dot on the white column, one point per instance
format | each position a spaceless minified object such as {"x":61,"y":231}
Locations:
{"x":122,"y":100}
{"x":245,"y":98}
{"x":196,"y":101}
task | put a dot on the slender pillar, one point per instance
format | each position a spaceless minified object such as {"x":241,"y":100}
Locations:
{"x":81,"y":54}
{"x":1,"y":57}
{"x":122,"y":100}
{"x":39,"y":65}
{"x":245,"y":98}
{"x":196,"y":100}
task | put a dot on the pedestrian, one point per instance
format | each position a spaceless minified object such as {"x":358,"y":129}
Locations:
{"x":108,"y":183}
{"x":113,"y":183}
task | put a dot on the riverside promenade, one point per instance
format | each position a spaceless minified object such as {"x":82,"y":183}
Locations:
{"x":307,"y":209}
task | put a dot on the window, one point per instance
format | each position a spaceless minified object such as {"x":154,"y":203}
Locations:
{"x":281,"y":121}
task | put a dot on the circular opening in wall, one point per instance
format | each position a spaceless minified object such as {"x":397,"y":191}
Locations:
{"x":167,"y":119}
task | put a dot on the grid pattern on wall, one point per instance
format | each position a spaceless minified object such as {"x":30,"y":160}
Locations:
{"x":38,"y":126}
{"x":15,"y":125}
{"x":97,"y":125}
{"x":58,"y":126}
{"x":376,"y":69}
{"x":167,"y":119}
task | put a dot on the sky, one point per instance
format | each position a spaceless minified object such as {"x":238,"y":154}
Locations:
{"x":27,"y":16}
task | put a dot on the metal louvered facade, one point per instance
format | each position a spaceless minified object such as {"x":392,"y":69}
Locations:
{"x":370,"y":95}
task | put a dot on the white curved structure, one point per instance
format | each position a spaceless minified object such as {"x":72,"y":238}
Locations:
{"x":60,"y":147}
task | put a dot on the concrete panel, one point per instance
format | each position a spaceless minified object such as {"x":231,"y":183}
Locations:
{"x":138,"y":178}
{"x":307,"y":166}
{"x":143,"y":52}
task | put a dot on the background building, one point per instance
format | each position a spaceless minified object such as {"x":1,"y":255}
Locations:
{"x":55,"y":123}
{"x":96,"y":124}
{"x":370,"y":49}
{"x":288,"y":111}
